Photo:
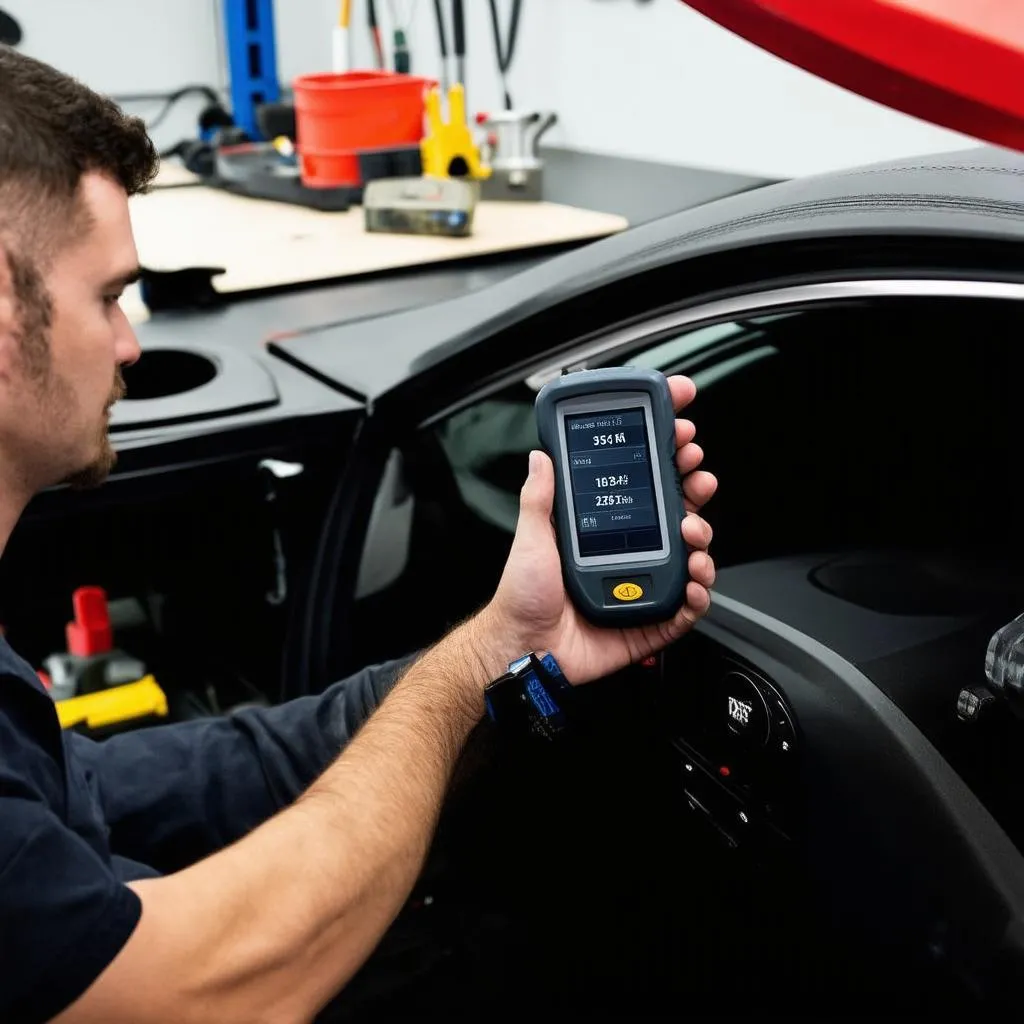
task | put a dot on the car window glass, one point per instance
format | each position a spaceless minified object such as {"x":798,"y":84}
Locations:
{"x":726,"y":368}
{"x":678,"y":347}
{"x":488,"y":443}
{"x":487,"y":446}
{"x":875,"y":425}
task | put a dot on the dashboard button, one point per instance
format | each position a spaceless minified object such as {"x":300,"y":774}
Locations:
{"x":974,"y":703}
{"x":783,"y":735}
{"x":745,"y":711}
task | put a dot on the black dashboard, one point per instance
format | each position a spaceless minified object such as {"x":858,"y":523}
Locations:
{"x":738,"y":747}
{"x":816,"y":719}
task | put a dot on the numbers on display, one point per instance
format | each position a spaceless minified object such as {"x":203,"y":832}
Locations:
{"x":600,"y":440}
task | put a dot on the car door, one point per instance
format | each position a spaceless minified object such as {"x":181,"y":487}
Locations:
{"x":732,"y":349}
{"x":862,"y":431}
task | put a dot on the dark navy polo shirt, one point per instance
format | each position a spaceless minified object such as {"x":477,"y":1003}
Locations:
{"x":80,"y":819}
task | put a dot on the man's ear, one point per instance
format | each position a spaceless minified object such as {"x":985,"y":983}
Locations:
{"x":8,"y":317}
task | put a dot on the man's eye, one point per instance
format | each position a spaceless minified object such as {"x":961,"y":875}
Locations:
{"x":112,"y":300}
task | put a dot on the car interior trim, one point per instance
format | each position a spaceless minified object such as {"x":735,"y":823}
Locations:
{"x":989,"y":845}
{"x":748,"y":304}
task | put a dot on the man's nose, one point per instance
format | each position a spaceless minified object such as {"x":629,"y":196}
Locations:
{"x":127,"y":348}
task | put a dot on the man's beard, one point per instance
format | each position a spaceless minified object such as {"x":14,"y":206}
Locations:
{"x":99,"y":469}
{"x":35,"y":316}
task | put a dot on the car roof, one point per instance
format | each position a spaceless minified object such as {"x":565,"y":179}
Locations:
{"x":974,"y":195}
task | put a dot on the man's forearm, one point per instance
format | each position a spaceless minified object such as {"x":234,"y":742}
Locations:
{"x":272,"y":927}
{"x":174,"y":794}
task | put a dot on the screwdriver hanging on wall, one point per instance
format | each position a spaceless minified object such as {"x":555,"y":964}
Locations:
{"x":375,"y":36}
{"x":442,"y":43}
{"x":504,"y":52}
{"x":400,"y":37}
{"x":459,"y":39}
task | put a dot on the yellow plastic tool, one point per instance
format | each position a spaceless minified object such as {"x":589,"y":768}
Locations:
{"x":448,"y":150}
{"x":111,"y":707}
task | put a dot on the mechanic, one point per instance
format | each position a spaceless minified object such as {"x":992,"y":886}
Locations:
{"x":240,"y":868}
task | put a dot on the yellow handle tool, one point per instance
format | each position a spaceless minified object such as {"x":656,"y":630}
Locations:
{"x":111,"y":707}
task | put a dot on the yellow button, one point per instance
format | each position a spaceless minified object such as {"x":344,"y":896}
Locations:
{"x":628,"y":591}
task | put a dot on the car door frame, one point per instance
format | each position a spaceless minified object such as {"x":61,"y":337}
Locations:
{"x":333,"y":585}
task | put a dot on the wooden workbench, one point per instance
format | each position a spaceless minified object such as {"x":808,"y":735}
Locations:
{"x":264,"y":244}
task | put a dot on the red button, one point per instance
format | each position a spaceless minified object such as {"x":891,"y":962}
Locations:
{"x":650,"y":661}
{"x":725,"y":771}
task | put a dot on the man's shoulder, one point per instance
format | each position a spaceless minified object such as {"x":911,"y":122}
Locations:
{"x":20,"y":686}
{"x":30,"y":736}
{"x":11,"y":664}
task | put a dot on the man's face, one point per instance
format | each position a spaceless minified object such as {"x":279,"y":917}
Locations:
{"x":61,"y":380}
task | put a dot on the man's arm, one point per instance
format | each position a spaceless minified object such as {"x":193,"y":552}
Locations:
{"x":174,"y":794}
{"x":272,"y":927}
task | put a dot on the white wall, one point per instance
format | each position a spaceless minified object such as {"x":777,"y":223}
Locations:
{"x":654,"y":81}
{"x":129,"y":46}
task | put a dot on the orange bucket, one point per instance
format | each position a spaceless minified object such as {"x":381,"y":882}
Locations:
{"x":337,"y":115}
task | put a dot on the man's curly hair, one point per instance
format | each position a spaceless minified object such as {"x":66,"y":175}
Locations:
{"x":53,"y":129}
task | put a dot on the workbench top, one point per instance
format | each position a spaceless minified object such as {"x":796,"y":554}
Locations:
{"x":631,"y":190}
{"x":261,"y":244}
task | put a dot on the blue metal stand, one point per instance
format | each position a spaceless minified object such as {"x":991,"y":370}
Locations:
{"x":252,"y":59}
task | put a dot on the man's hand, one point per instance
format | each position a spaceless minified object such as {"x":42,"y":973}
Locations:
{"x":531,"y":601}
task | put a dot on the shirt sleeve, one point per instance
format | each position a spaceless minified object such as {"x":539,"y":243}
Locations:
{"x":63,"y":914}
{"x":174,"y":794}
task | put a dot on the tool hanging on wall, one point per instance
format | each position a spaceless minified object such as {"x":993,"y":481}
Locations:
{"x":459,"y":38}
{"x":505,"y":53}
{"x":400,"y":35}
{"x":442,"y":42}
{"x":341,"y":57}
{"x":375,"y":36}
